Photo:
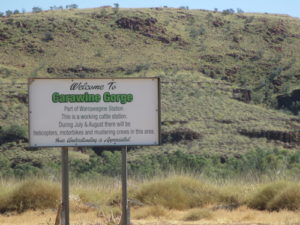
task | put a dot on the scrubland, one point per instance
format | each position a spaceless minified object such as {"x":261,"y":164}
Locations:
{"x":231,"y":145}
{"x":172,"y":199}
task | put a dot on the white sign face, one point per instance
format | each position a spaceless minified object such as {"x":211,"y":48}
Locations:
{"x":94,"y":112}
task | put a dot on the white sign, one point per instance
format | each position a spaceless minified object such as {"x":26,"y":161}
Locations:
{"x":94,"y":112}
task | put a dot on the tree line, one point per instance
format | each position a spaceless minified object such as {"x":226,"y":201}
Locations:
{"x":116,"y":9}
{"x":37,"y":9}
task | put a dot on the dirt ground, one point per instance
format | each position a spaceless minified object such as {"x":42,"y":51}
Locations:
{"x":241,"y":216}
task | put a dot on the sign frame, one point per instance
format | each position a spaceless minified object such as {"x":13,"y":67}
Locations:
{"x":30,"y":80}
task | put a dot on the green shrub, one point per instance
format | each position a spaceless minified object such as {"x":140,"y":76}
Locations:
{"x":25,"y":169}
{"x":14,"y":132}
{"x":5,"y":167}
{"x":48,"y":37}
{"x":32,"y":194}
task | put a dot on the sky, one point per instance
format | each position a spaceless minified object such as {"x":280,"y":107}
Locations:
{"x":290,"y":7}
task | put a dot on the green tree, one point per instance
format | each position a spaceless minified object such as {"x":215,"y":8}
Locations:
{"x":36,"y":9}
{"x":52,"y":8}
{"x":228,"y":11}
{"x":8,"y":12}
{"x":238,"y":10}
{"x":116,"y":8}
{"x":72,"y":6}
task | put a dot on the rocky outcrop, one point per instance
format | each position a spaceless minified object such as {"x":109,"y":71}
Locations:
{"x":80,"y":69}
{"x":290,"y":102}
{"x":292,"y":137}
{"x":149,"y":28}
{"x":180,"y":134}
{"x":243,"y":95}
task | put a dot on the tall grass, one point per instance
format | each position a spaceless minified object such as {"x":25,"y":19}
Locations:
{"x":153,"y":197}
{"x":198,"y":214}
{"x":276,"y":196}
{"x":177,"y":193}
{"x":31,"y":194}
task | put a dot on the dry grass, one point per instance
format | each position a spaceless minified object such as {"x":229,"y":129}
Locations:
{"x":265,"y":195}
{"x":31,"y":194}
{"x":149,"y":211}
{"x":175,"y":199}
{"x":241,"y":216}
{"x":276,"y":196}
{"x":178,"y":193}
{"x":198,"y":214}
{"x":288,"y":199}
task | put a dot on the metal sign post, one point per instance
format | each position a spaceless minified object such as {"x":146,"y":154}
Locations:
{"x":65,"y":186}
{"x":125,"y":219}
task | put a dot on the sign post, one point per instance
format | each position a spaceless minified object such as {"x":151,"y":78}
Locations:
{"x":65,"y":186}
{"x":94,"y":112}
{"x":125,"y":219}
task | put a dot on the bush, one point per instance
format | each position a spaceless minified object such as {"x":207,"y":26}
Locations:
{"x":261,"y":199}
{"x":1,"y":14}
{"x":8,"y":12}
{"x":289,"y":199}
{"x":33,"y":194}
{"x":5,"y":167}
{"x":12,"y":133}
{"x":48,"y":37}
{"x":178,"y":193}
{"x":36,"y":9}
{"x":25,"y":169}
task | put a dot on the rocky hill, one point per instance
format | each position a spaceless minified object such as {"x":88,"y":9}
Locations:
{"x":230,"y":82}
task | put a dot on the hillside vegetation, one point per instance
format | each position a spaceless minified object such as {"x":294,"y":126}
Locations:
{"x":230,"y":86}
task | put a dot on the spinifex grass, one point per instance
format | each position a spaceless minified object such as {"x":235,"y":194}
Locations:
{"x":171,"y":197}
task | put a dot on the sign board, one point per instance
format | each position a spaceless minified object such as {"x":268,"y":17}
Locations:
{"x":94,"y":112}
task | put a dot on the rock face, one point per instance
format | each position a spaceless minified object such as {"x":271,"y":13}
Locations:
{"x":180,"y":134}
{"x":148,"y":27}
{"x":138,"y":24}
{"x":243,"y":95}
{"x":290,"y":102}
{"x":292,"y":137}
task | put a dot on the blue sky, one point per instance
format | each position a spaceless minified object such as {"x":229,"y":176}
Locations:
{"x":291,"y":7}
